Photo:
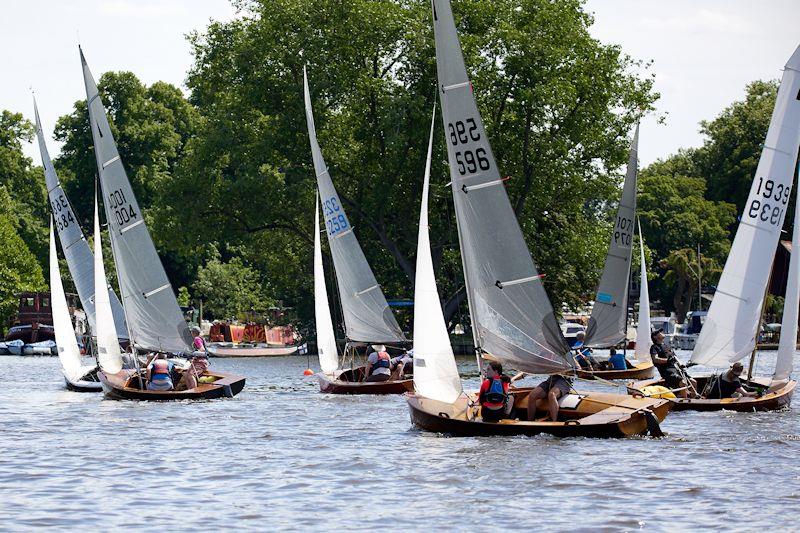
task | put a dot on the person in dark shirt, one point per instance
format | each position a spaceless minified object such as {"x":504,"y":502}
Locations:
{"x":583,"y":354}
{"x":668,"y":365}
{"x":493,"y":396}
{"x":728,"y":385}
{"x":553,"y":388}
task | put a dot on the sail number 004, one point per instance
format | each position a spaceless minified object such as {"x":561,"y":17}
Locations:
{"x":334,"y":216}
{"x":468,"y":161}
{"x":62,"y":214}
{"x":123,"y":210}
{"x":767,"y":211}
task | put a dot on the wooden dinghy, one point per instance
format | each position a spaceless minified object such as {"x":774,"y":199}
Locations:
{"x":89,"y":382}
{"x":640,"y":371}
{"x":774,"y":398}
{"x":351,"y":382}
{"x":249,"y":350}
{"x":125,"y":385}
{"x":599,"y":415}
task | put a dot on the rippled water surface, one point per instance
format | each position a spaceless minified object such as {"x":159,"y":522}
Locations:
{"x":282,"y":455}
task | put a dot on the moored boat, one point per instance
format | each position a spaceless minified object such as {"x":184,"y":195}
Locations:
{"x":248,"y":350}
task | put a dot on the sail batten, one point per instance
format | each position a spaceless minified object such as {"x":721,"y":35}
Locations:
{"x":367,"y":315}
{"x":514,"y":322}
{"x":80,"y":260}
{"x":155,"y":320}
{"x":729,"y":332}
{"x":609,"y":320}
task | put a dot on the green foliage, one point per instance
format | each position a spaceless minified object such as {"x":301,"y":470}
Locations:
{"x":183,"y":297}
{"x":19,"y":269}
{"x":229,"y":290}
{"x":681,"y":273}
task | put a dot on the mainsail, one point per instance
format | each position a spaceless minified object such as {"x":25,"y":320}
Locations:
{"x":733,"y":318}
{"x":367,"y":316}
{"x":108,"y":351}
{"x":435,"y":372}
{"x":609,"y":321}
{"x":68,"y":352}
{"x":643,"y":338}
{"x":326,"y":340}
{"x":73,"y":243}
{"x":512,"y":317}
{"x":154,"y":318}
{"x":788,"y":341}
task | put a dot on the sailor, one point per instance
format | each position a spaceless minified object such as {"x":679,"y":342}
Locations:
{"x":159,"y":374}
{"x":403,"y":364}
{"x":379,"y":364}
{"x":199,"y":343}
{"x":617,"y":360}
{"x":583,"y":354}
{"x":553,"y":388}
{"x":668,"y":366}
{"x":728,"y":385}
{"x":493,"y":396}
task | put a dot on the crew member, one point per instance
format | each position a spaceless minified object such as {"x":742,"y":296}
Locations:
{"x":159,"y":374}
{"x":668,"y":366}
{"x":379,"y":364}
{"x":728,"y":385}
{"x":493,"y":397}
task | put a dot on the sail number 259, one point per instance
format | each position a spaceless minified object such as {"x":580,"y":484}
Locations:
{"x":771,"y":202}
{"x":468,"y":161}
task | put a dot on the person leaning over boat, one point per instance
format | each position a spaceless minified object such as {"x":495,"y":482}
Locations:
{"x":583,"y":354}
{"x":728,"y":385}
{"x":668,"y":366}
{"x":159,"y":373}
{"x":493,"y":395}
{"x":403,"y":364}
{"x":553,"y":388}
{"x":379,"y":364}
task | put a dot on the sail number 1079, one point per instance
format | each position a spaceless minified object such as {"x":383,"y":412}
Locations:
{"x":770,"y":204}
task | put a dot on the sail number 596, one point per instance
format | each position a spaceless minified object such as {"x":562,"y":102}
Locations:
{"x":468,"y":161}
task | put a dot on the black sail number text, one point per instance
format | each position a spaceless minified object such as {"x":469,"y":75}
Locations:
{"x":62,"y":214}
{"x":468,"y":161}
{"x":122,"y":209}
{"x":623,"y":231}
{"x":770,"y":202}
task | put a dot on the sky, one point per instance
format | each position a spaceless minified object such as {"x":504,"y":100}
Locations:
{"x":704,"y":52}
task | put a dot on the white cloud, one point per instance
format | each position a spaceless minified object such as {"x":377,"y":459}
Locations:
{"x":703,"y":20}
{"x":123,"y":8}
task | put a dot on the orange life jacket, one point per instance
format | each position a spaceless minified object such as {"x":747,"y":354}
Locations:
{"x":160,"y":367}
{"x":384,"y":361}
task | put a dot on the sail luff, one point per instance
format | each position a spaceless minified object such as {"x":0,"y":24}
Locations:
{"x":151,"y":309}
{"x":512,"y":317}
{"x":643,"y":338}
{"x":435,"y":372}
{"x":609,"y":320}
{"x":80,"y":260}
{"x":728,"y":333}
{"x":367,"y":315}
{"x":326,"y":340}
{"x":68,"y":352}
{"x":109,"y":353}
{"x":787,"y":345}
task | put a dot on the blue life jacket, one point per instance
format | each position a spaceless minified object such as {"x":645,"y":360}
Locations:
{"x":382,"y":362}
{"x":496,"y":393}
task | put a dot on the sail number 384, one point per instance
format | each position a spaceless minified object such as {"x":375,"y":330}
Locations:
{"x":770,"y":203}
{"x":468,"y":161}
{"x":122,"y":209}
{"x":62,"y":214}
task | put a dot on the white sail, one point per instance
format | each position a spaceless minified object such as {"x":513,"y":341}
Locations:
{"x":151,"y":309}
{"x":643,"y":338}
{"x":73,"y":243}
{"x":68,"y":352}
{"x":326,"y":340}
{"x":788,"y":341}
{"x":367,"y":316}
{"x":733,"y":318}
{"x":108,"y":351}
{"x":435,"y":372}
{"x":608,"y":324}
{"x":512,"y":317}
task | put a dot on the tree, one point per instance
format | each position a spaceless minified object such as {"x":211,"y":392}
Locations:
{"x":681,"y":273}
{"x":230,"y":289}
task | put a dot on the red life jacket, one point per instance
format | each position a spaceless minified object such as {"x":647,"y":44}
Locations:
{"x":160,"y":368}
{"x":384,"y":361}
{"x":496,"y":394}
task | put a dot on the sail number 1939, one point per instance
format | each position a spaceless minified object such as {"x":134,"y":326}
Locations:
{"x":770,"y":203}
{"x":122,"y":209}
{"x":468,"y":161}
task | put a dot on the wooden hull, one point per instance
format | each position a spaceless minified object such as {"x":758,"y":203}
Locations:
{"x":255,"y":351}
{"x":116,"y":387}
{"x":348,"y":382}
{"x":600,"y":415}
{"x":772,"y":401}
{"x":641,"y":371}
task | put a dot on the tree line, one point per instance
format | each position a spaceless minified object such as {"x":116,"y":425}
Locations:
{"x":227,"y":185}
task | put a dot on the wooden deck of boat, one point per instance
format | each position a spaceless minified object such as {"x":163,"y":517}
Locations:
{"x":115,"y":386}
{"x":642,"y":370}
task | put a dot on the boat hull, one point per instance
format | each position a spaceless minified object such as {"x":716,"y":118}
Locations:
{"x":598,"y":415}
{"x":256,"y":351}
{"x":348,"y":382}
{"x":643,"y":370}
{"x":89,"y":382}
{"x":772,"y":401}
{"x":115,"y":387}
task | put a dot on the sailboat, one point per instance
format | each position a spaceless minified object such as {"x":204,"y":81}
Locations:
{"x":367,"y":316}
{"x":608,"y":323}
{"x":734,"y":318}
{"x":79,"y":376}
{"x":512,"y":318}
{"x":154,"y":320}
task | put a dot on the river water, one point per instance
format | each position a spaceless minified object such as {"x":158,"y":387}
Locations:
{"x":283,"y":456}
